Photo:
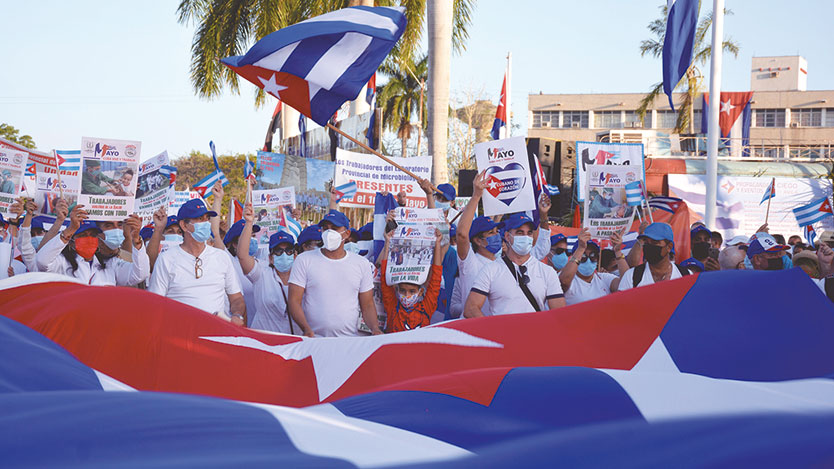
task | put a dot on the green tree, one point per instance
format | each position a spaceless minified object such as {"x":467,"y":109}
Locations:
{"x":229,"y":27}
{"x":691,"y":82}
{"x":196,"y":165}
{"x":399,"y":97}
{"x":11,"y":134}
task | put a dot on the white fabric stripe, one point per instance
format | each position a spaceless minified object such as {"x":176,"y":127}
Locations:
{"x":111,"y":384}
{"x":32,"y":278}
{"x":656,"y":359}
{"x":807,"y":210}
{"x":337,"y":59}
{"x":324,"y":431}
{"x":363,"y":17}
{"x":276,"y":60}
{"x":662,"y":396}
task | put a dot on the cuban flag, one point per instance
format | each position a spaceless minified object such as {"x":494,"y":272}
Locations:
{"x":667,"y":204}
{"x":235,"y":210}
{"x":170,"y":172}
{"x":274,"y":123}
{"x":810,"y":235}
{"x":813,"y":212}
{"x":634,"y":193}
{"x":382,"y":204}
{"x":317,"y":65}
{"x":735,"y":118}
{"x":345,"y":191}
{"x":68,"y":160}
{"x":500,"y":113}
{"x":681,"y":23}
{"x":770,"y":191}
{"x":249,"y":170}
{"x":302,"y":136}
{"x":292,"y":225}
{"x":370,"y":91}
{"x":203,"y":186}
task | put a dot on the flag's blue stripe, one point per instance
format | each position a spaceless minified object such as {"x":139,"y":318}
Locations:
{"x":681,"y":23}
{"x":68,"y":152}
{"x":308,"y":52}
{"x":810,"y":220}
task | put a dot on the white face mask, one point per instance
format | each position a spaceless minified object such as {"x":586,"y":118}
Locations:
{"x":331,"y":240}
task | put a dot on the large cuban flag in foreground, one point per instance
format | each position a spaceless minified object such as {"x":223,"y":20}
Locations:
{"x":691,"y":371}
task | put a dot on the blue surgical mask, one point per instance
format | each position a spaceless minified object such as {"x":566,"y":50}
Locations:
{"x":442,"y":205}
{"x":587,"y":268}
{"x":114,"y":238}
{"x":747,"y":263}
{"x":173,"y":238}
{"x":522,"y":245}
{"x":202,"y":231}
{"x":36,"y":241}
{"x":282,"y":263}
{"x":493,"y":243}
{"x":559,"y":261}
{"x":253,"y":248}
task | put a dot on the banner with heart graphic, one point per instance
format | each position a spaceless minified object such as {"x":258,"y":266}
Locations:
{"x":510,"y":185}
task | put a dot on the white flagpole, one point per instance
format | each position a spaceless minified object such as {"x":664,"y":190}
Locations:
{"x":507,"y":100}
{"x":714,"y":132}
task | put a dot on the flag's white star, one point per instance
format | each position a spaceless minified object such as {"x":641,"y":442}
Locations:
{"x":336,"y":359}
{"x":727,"y":107}
{"x":271,"y":86}
{"x":493,"y":184}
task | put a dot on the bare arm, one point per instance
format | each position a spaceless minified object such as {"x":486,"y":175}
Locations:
{"x":216,"y":205}
{"x":61,"y":212}
{"x":439,"y":250}
{"x":247,"y":262}
{"x":465,"y":223}
{"x":635,"y":255}
{"x":569,"y":270}
{"x":366,"y":304}
{"x":426,"y":186}
{"x":473,"y":306}
{"x":160,"y":218}
{"x":296,"y":310}
{"x":237,"y":308}
{"x":554,"y":303}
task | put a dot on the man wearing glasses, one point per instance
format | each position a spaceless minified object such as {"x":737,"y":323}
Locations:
{"x":517,"y":282}
{"x":196,"y":274}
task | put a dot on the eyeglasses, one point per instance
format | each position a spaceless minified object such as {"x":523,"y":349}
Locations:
{"x":198,"y":268}
{"x":558,"y":251}
{"x":592,"y":256}
{"x":279,"y":251}
{"x":524,"y":279}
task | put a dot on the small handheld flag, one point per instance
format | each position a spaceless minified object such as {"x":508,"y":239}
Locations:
{"x":249,"y":170}
{"x":345,"y":191}
{"x":370,"y":92}
{"x":170,"y":172}
{"x":235,"y":210}
{"x":813,"y":212}
{"x":541,"y":182}
{"x":217,"y":169}
{"x":500,"y":113}
{"x":293,"y":226}
{"x":770,"y":192}
{"x":810,"y":235}
{"x":634,"y":193}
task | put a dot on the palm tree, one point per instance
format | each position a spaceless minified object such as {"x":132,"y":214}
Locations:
{"x":399,"y":98}
{"x":702,"y":50}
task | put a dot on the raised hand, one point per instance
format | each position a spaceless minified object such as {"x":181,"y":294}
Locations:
{"x":617,"y":240}
{"x":479,"y":184}
{"x":77,"y":216}
{"x":249,"y":213}
{"x":544,"y":204}
{"x":61,"y":210}
{"x":131,"y":227}
{"x":425,"y":184}
{"x":160,"y":219}
{"x":582,"y":239}
{"x":218,"y":191}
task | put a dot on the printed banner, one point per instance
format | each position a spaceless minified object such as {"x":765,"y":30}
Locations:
{"x":12,"y":164}
{"x":510,"y":185}
{"x":373,"y":175}
{"x":423,"y":216}
{"x":311,"y":178}
{"x":178,"y":198}
{"x":154,"y":190}
{"x":270,"y":208}
{"x":410,"y":254}
{"x":108,"y":177}
{"x":616,"y":154}
{"x":606,"y":209}
{"x":738,"y":207}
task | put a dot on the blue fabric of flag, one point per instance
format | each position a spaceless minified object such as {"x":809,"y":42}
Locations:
{"x":382,"y":204}
{"x":634,"y":193}
{"x":681,"y":23}
{"x":812,"y":212}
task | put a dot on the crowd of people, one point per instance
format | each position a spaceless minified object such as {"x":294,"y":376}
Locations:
{"x":325,"y":284}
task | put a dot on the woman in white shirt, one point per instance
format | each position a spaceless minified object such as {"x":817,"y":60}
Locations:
{"x":580,"y":278}
{"x":79,"y":252}
{"x":270,"y":282}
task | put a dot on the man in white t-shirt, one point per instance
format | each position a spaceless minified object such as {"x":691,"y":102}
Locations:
{"x":196,"y":274}
{"x":580,"y":277}
{"x":501,"y":281}
{"x":330,"y":286}
{"x":658,"y":242}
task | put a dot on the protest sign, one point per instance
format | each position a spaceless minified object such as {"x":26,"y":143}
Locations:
{"x":509,"y":184}
{"x":154,"y":189}
{"x":738,"y":207}
{"x":308,"y":176}
{"x":270,"y":208}
{"x":48,"y":185}
{"x":423,"y":216}
{"x":108,"y":177}
{"x":178,"y":198}
{"x":373,"y":175}
{"x":614,"y":154}
{"x":12,"y":163}
{"x":606,"y":209}
{"x":410,"y":253}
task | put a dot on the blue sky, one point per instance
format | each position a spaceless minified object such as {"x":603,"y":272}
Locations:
{"x":120,"y":69}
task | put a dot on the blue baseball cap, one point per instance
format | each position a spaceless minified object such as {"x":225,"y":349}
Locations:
{"x":698,"y":228}
{"x":517,"y":220}
{"x":692,"y":262}
{"x":337,"y":218}
{"x":447,"y":191}
{"x":366,"y":228}
{"x":453,"y":231}
{"x":659,"y":231}
{"x":311,"y":233}
{"x":88,"y":225}
{"x":279,"y":238}
{"x":146,"y":232}
{"x":480,"y":225}
{"x":558,"y":238}
{"x":172,"y":220}
{"x":194,"y":208}
{"x":763,"y":242}
{"x":236,"y":229}
{"x":591,"y":243}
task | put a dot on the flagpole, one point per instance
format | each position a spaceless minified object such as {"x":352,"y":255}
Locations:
{"x":384,"y":158}
{"x":714,"y":131}
{"x":769,"y":197}
{"x":58,"y":173}
{"x":507,"y":96}
{"x":420,"y":118}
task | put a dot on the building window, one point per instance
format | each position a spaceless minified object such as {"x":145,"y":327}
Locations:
{"x":545,"y":118}
{"x":632,"y":120}
{"x":580,"y":118}
{"x":667,"y":119}
{"x":770,"y":118}
{"x":806,"y":117}
{"x":768,"y":151}
{"x":806,"y":152}
{"x":607,"y":120}
{"x":829,"y":117}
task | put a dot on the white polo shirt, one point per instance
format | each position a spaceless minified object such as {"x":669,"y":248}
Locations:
{"x":469,"y":269}
{"x":269,"y":298}
{"x":331,"y":291}
{"x":173,"y":276}
{"x":627,"y":282}
{"x":499,"y":285}
{"x":580,"y":290}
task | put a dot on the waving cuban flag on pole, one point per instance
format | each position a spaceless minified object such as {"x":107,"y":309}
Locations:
{"x":500,"y":113}
{"x":317,"y":65}
{"x":813,"y":212}
{"x":203,"y":186}
{"x":681,"y":22}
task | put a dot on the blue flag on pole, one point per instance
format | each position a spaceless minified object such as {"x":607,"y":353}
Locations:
{"x":382,"y":204}
{"x":681,"y":23}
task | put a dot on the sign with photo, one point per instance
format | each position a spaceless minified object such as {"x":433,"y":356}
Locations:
{"x":310,"y":177}
{"x":109,"y":174}
{"x":606,"y":209}
{"x":509,"y":184}
{"x":154,"y":189}
{"x":12,"y":164}
{"x":609,"y":154}
{"x":271,"y":207}
{"x":410,"y":253}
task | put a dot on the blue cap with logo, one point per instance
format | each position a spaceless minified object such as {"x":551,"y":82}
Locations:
{"x":693,"y":263}
{"x":311,"y":233}
{"x":453,"y":230}
{"x":88,"y":225}
{"x":146,"y":232}
{"x":659,"y":231}
{"x":172,"y":220}
{"x":279,"y":238}
{"x":517,"y":220}
{"x":365,"y":229}
{"x":337,"y":218}
{"x":558,"y":238}
{"x":194,"y":208}
{"x":447,"y":191}
{"x":762,"y":242}
{"x":697,"y":229}
{"x":480,"y":225}
{"x":236,"y":229}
